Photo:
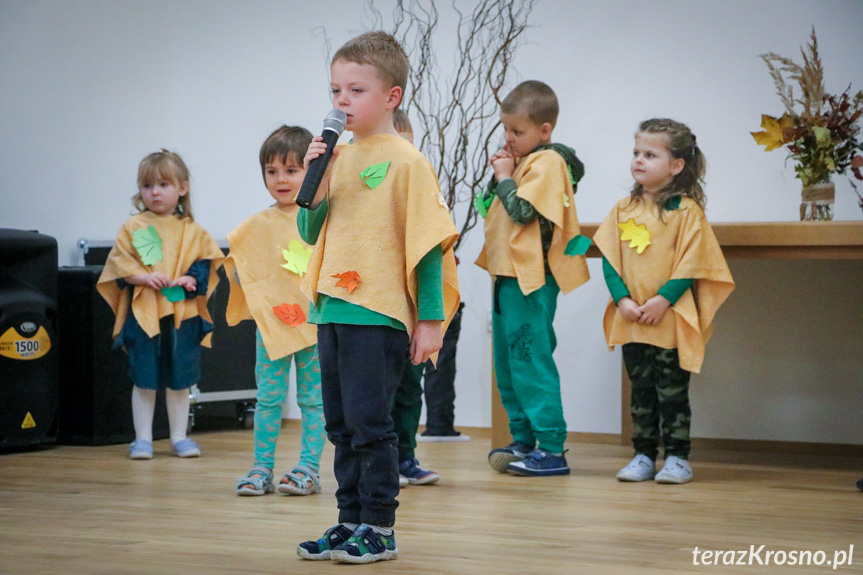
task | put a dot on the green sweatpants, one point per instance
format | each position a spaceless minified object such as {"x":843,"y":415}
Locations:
{"x":407,"y":408}
{"x":527,"y":377}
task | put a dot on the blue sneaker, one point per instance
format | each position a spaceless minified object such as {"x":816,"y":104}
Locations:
{"x":366,"y":546}
{"x":141,"y":449}
{"x":186,"y":448}
{"x":539,"y":463}
{"x":321,"y":549}
{"x":410,"y":469}
{"x":500,"y":458}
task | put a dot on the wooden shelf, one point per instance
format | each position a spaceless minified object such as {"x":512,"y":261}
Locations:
{"x":780,"y":240}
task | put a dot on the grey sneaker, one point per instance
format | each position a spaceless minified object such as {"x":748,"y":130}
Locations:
{"x":641,"y":468}
{"x":500,"y":458}
{"x":676,"y":470}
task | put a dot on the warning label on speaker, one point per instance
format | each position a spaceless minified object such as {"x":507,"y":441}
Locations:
{"x":29,"y":422}
{"x":15,"y":346}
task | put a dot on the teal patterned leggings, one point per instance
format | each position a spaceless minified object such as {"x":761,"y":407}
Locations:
{"x":273,"y":380}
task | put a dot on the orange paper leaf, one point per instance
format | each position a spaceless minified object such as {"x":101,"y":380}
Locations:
{"x":290,"y":313}
{"x":348,"y":280}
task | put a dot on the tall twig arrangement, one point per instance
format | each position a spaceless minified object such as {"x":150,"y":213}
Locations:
{"x":457,"y":111}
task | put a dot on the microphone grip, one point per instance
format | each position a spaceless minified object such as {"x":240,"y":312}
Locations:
{"x":317,"y":168}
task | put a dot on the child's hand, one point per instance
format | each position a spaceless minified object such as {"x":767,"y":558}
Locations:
{"x":155,"y":280}
{"x":316,"y":150}
{"x":629,"y":309}
{"x":503,"y":164}
{"x":426,"y":339}
{"x":653,"y":310}
{"x":188,"y":282}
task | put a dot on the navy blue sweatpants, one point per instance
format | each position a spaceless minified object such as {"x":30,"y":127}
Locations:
{"x":361,"y":367}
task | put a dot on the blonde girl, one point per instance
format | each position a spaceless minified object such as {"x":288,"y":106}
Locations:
{"x":667,"y":277}
{"x":157,"y":279}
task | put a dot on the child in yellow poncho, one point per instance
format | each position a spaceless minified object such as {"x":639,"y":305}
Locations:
{"x":667,"y":277}
{"x":162,"y":269}
{"x":265,"y":268}
{"x":533,"y":250}
{"x":382,"y":280}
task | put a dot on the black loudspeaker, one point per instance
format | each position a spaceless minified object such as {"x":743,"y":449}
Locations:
{"x":95,"y":405}
{"x":28,"y":345}
{"x":228,"y":367}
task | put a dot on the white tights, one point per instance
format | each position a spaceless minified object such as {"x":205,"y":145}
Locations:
{"x":144,"y":404}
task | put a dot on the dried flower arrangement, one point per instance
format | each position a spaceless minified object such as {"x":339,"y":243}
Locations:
{"x":822,"y":137}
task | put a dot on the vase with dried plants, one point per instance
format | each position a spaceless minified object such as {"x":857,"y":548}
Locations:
{"x":819,"y":130}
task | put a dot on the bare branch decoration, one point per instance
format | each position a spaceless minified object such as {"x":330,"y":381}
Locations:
{"x":458,"y":115}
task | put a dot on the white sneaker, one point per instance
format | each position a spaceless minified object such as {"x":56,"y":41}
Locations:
{"x":676,"y":470}
{"x":403,"y":481}
{"x":641,"y":468}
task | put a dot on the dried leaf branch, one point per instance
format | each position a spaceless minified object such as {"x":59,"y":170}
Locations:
{"x":458,"y":112}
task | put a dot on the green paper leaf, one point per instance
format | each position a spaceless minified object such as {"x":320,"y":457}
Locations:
{"x":149,"y":245}
{"x":374,"y":175}
{"x":577,"y":246}
{"x":572,"y":179}
{"x":480,"y":206}
{"x":297,"y":257}
{"x":174,"y":293}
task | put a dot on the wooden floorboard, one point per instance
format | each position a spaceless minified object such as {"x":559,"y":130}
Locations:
{"x":90,"y":510}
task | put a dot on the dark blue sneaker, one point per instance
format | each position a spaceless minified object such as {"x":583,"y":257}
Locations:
{"x":410,"y":469}
{"x":540,"y":462}
{"x":366,"y":546}
{"x":500,"y":458}
{"x":321,"y":549}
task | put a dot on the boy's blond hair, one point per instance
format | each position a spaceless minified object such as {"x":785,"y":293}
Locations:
{"x":535,"y":99}
{"x":380,"y":50}
{"x":401,"y":122}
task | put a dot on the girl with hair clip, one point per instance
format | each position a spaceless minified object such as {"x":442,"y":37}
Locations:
{"x":667,"y":277}
{"x":157,"y":279}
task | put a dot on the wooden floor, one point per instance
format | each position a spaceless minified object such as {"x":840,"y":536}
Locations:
{"x":90,"y":510}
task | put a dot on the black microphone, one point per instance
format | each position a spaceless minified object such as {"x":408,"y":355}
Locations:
{"x":334,"y":125}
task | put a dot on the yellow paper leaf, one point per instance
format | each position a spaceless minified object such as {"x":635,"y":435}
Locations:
{"x":565,"y":200}
{"x":297,"y":257}
{"x":637,"y":235}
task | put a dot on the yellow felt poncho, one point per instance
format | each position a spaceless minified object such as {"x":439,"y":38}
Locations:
{"x":683,"y":246}
{"x":381,"y":228}
{"x":512,"y":250}
{"x":257,"y":254}
{"x":183,"y":243}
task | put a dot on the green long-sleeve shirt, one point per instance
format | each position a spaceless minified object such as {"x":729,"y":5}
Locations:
{"x":335,"y":310}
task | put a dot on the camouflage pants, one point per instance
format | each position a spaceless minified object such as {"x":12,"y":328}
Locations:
{"x":660,"y":400}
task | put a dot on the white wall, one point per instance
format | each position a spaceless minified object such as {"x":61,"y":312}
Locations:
{"x":87,"y":88}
